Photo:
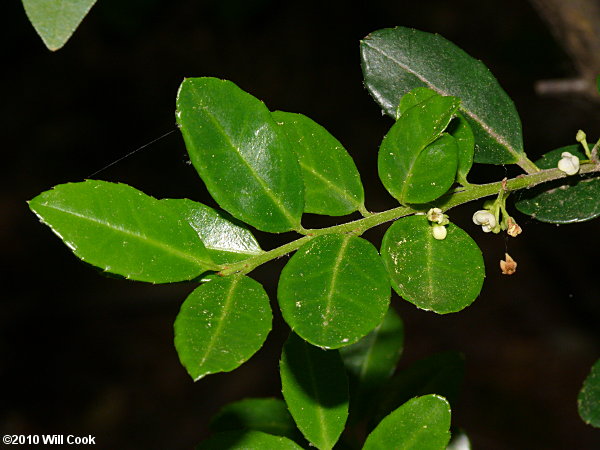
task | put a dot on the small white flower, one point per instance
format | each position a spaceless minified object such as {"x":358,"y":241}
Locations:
{"x":569,"y":163}
{"x":486,"y":219}
{"x":439,"y":232}
{"x":435,"y":215}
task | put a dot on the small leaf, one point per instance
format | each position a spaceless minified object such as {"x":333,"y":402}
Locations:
{"x":56,"y":20}
{"x":241,"y":154}
{"x":331,"y":181}
{"x":417,"y":164}
{"x":396,"y":60}
{"x":247,"y":440}
{"x":557,"y":202}
{"x":422,"y":423}
{"x":221,"y":325}
{"x":226,"y":239}
{"x":459,"y":129}
{"x":269,"y":415}
{"x":441,"y":374}
{"x":443,"y":276}
{"x":588,"y":401}
{"x":334,"y":290}
{"x":372,"y":360}
{"x":123,"y":231}
{"x":315,"y":388}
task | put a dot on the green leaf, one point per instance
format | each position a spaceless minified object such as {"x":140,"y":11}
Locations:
{"x":441,"y":374}
{"x":417,"y":163}
{"x":422,"y":423}
{"x":396,"y":60}
{"x":241,"y":154}
{"x":443,"y":276}
{"x":331,"y":181}
{"x":588,"y":401}
{"x":221,"y":325}
{"x":269,"y":415}
{"x":226,"y":239}
{"x":557,"y":202}
{"x":315,"y":388}
{"x":372,"y":360}
{"x":123,"y":231}
{"x":56,"y":20}
{"x":247,"y":440}
{"x":334,"y":290}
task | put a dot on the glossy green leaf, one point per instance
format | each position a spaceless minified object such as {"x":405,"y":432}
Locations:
{"x":221,"y":325}
{"x":443,"y":276}
{"x":372,"y":360}
{"x":334,"y":290}
{"x":241,"y":154}
{"x":598,"y":83}
{"x":459,"y":129}
{"x":422,"y":423}
{"x":56,"y":20}
{"x":396,"y":60}
{"x":226,"y":239}
{"x":570,"y":200}
{"x":417,"y":163}
{"x":332,"y":183}
{"x":247,"y":440}
{"x":588,"y":402}
{"x":269,"y":415}
{"x":442,"y":374}
{"x":315,"y":388}
{"x":123,"y":231}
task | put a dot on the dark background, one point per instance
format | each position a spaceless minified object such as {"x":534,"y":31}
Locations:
{"x":84,"y":354}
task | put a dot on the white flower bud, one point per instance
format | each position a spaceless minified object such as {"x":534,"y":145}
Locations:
{"x":569,"y":163}
{"x":486,"y":219}
{"x":439,"y":232}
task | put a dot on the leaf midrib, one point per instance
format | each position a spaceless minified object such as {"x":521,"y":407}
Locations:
{"x":349,"y":198}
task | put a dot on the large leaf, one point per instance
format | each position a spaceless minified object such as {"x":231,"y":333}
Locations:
{"x":331,"y":181}
{"x":443,"y":276}
{"x":123,"y":231}
{"x":56,"y":20}
{"x":315,"y":388}
{"x":334,"y":290}
{"x":241,"y":154}
{"x":247,"y":440}
{"x":269,"y":415}
{"x":459,"y":129}
{"x":588,"y":401}
{"x":221,"y":325}
{"x":225,"y":238}
{"x":396,"y":60}
{"x":372,"y":360}
{"x":562,"y":201}
{"x":422,"y":423}
{"x":418,"y":164}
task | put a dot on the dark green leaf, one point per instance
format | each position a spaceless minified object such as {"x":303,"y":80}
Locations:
{"x":315,"y":388}
{"x":459,"y":129}
{"x":443,"y":276}
{"x":331,"y":181}
{"x":372,"y":360}
{"x":56,"y":20}
{"x":562,"y":201}
{"x":269,"y":415}
{"x":334,"y":290}
{"x":221,"y":325}
{"x":588,"y":402}
{"x":396,"y":60}
{"x":241,"y":154}
{"x":417,"y":163}
{"x":422,"y":423}
{"x":247,"y":440}
{"x":226,"y":239}
{"x":123,"y":231}
{"x":441,"y":374}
